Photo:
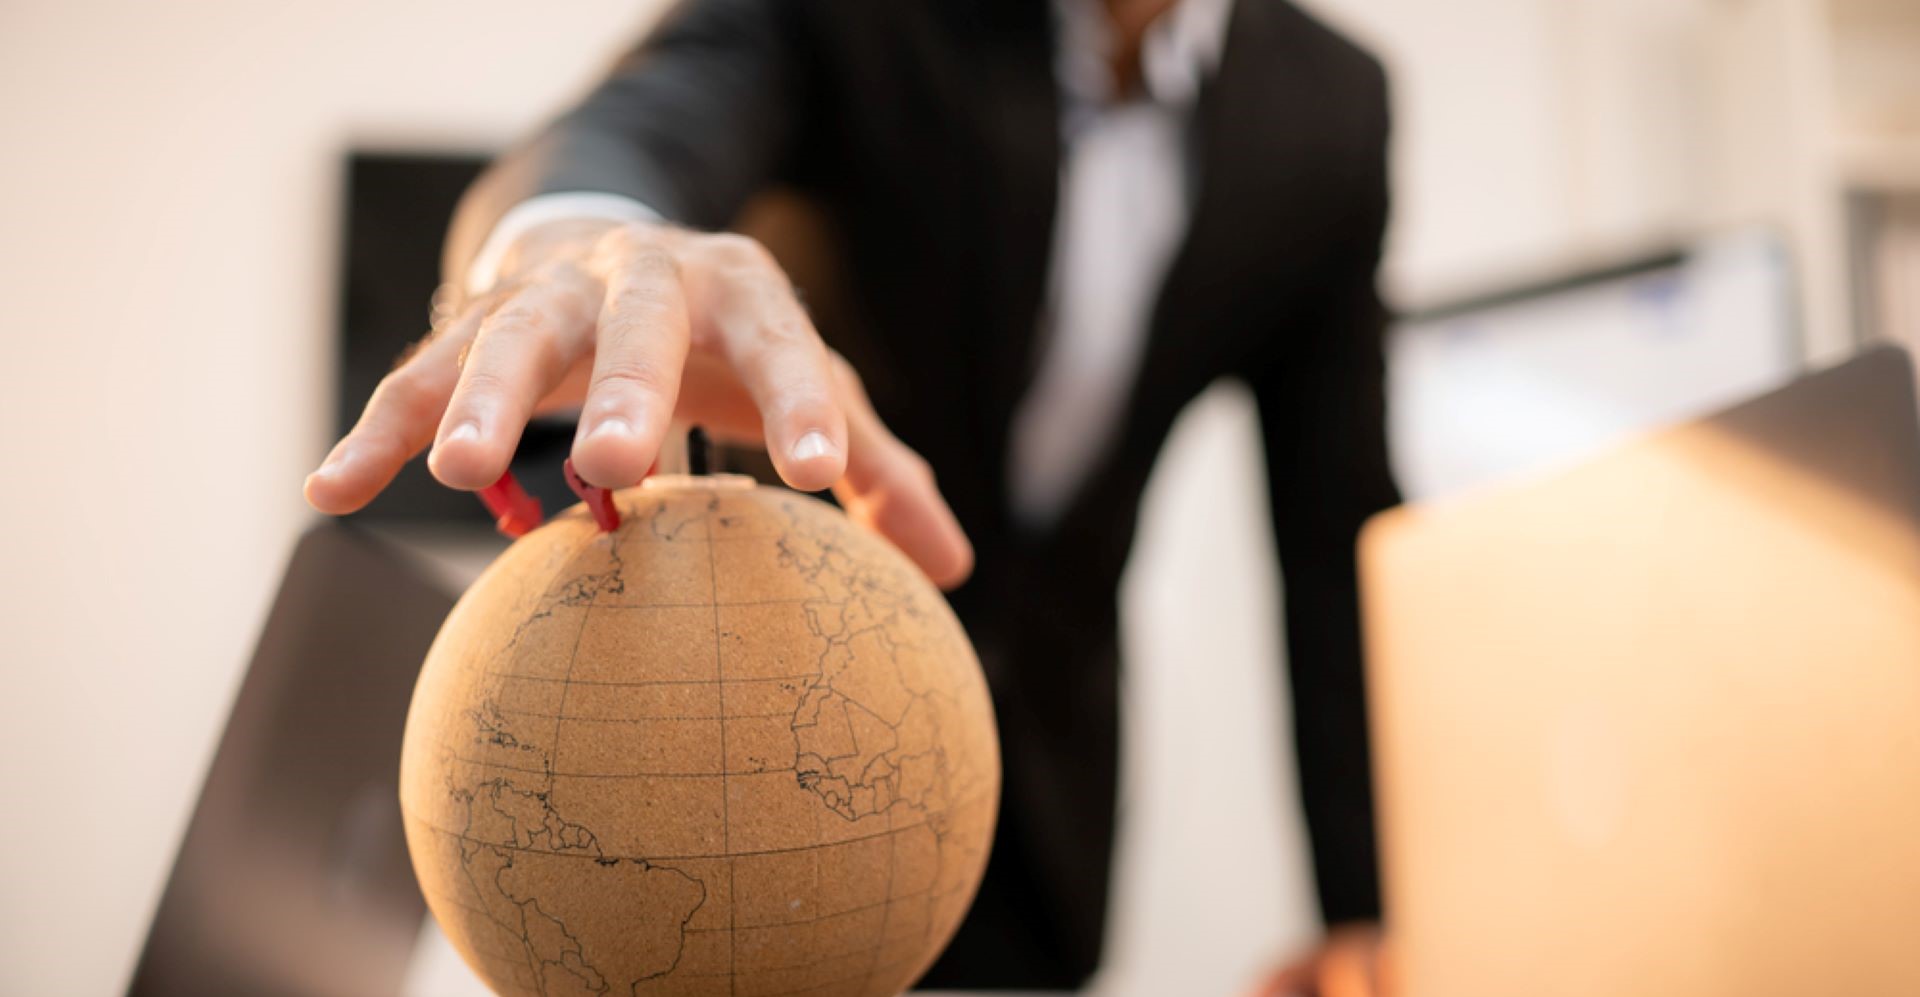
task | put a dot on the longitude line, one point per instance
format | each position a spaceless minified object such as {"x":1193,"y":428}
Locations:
{"x":880,"y":944}
{"x":566,"y":685}
{"x":726,"y":818}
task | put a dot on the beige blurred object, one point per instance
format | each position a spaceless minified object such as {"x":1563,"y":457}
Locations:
{"x":1652,"y":726}
{"x":737,"y":746}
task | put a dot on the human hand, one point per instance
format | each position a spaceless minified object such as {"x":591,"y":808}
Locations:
{"x":1350,"y":962}
{"x":638,"y":324}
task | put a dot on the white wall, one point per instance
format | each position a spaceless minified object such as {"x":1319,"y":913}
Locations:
{"x":1533,"y":135}
{"x":167,"y":198}
{"x":167,"y":203}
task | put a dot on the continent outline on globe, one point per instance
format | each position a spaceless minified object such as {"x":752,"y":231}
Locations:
{"x":739,"y":746}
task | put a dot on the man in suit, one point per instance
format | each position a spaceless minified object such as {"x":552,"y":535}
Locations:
{"x":1057,"y":223}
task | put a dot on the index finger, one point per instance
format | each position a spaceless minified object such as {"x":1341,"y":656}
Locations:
{"x":398,"y":422}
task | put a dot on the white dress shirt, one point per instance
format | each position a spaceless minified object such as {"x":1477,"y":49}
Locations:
{"x":1123,"y":210}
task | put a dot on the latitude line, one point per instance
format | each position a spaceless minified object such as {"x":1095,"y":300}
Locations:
{"x":862,"y":908}
{"x":641,"y":720}
{"x":554,"y":773}
{"x":794,"y":600}
{"x":649,"y":682}
{"x":641,"y":538}
{"x":658,"y":859}
{"x":449,"y":749}
{"x":829,"y":984}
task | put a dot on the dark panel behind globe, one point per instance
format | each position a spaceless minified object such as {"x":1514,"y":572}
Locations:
{"x":397,"y":210}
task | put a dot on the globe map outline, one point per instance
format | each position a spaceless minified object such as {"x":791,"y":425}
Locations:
{"x":738,"y":747}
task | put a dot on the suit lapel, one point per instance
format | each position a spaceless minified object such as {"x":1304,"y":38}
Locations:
{"x":1221,"y":294}
{"x":1020,"y":108}
{"x":1221,"y":291}
{"x":1219,"y":278}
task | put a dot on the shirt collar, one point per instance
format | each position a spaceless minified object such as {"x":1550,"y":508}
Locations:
{"x":1181,"y":49}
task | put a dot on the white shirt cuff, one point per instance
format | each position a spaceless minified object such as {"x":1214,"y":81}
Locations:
{"x":536,"y":211}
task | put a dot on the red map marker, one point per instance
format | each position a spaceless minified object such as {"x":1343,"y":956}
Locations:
{"x":599,"y":500}
{"x":514,"y":511}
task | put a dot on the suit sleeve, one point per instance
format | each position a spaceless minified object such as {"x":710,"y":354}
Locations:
{"x":1322,"y":403}
{"x":702,"y":113}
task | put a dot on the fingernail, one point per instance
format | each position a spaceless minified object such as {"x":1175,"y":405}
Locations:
{"x":465,"y":432}
{"x":332,"y":465}
{"x":813,"y":446}
{"x":612,"y":426}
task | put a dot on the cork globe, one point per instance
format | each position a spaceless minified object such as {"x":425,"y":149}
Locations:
{"x":738,"y":746}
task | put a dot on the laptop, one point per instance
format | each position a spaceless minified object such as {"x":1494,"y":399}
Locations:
{"x":1651,"y":725}
{"x":293,"y":878}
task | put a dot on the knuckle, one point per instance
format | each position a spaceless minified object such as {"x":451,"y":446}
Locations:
{"x":917,"y":468}
{"x":844,"y":370}
{"x":633,"y":373}
{"x":619,"y":248}
{"x":906,"y":471}
{"x":405,"y":393}
{"x":559,"y":270}
{"x":480,"y":381}
{"x":638,"y":301}
{"x":627,"y":236}
{"x":788,"y":330}
{"x":515,"y":318}
{"x":731,"y":249}
{"x":563,"y":279}
{"x":653,"y":263}
{"x":411,"y":355}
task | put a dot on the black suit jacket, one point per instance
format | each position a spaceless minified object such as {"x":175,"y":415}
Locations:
{"x":926,"y":133}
